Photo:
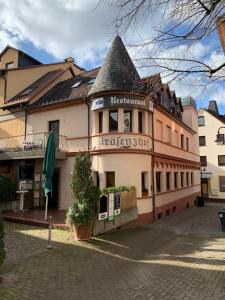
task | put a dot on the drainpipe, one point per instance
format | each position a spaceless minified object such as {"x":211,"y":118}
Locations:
{"x":25,"y":125}
{"x":88,"y":107}
{"x":2,"y":74}
{"x":153,"y":169}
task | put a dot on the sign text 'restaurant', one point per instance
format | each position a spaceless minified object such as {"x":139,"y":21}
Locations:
{"x":121,"y":101}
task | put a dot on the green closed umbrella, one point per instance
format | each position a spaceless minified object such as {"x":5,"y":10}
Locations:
{"x":49,"y":167}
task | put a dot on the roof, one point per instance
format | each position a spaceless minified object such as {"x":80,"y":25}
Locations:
{"x":218,"y":117}
{"x":63,"y":91}
{"x":20,"y":51}
{"x":26,"y":94}
{"x":117,"y":72}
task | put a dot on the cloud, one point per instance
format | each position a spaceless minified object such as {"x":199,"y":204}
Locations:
{"x":62,"y":28}
{"x":83,"y":29}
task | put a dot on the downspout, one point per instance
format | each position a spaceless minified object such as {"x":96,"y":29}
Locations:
{"x":153,"y":169}
{"x":25,"y":125}
{"x":2,"y":73}
{"x":88,"y":107}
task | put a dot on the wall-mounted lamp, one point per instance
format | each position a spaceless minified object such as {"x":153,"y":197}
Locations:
{"x":220,"y":137}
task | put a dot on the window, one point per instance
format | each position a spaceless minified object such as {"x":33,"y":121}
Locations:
{"x":4,"y":167}
{"x":9,"y":65}
{"x":92,"y":80}
{"x":168,"y":181}
{"x":27,"y":91}
{"x":96,"y":179}
{"x":168,"y":134}
{"x":222,"y":183}
{"x":158,"y":181}
{"x":113,"y":120}
{"x":100,"y":121}
{"x":159,"y":130}
{"x":182,"y":141}
{"x":187,"y":179}
{"x":201,"y":121}
{"x":128,"y":120}
{"x":202,"y":141}
{"x":140,"y":121}
{"x":26,"y":169}
{"x":144,"y":180}
{"x":110,"y":179}
{"x":176,"y":138}
{"x":187,"y":143}
{"x":175,"y":180}
{"x":192,"y":178}
{"x":76,"y":84}
{"x":54,"y":127}
{"x":203,"y":160}
{"x":182,"y":179}
{"x":221,"y":160}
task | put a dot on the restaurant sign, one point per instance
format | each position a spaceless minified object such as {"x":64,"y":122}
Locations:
{"x":122,"y":101}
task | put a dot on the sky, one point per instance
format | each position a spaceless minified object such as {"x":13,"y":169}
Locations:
{"x":51,"y":30}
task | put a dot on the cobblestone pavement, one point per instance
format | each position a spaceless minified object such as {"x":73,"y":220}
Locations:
{"x":176,"y":258}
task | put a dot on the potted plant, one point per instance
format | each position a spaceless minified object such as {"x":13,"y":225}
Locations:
{"x":7,"y":192}
{"x":144,"y":191}
{"x":81,"y":215}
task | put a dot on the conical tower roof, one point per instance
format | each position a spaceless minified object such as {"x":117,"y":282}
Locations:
{"x":117,"y":72}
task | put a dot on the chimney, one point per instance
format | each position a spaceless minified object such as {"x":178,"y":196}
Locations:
{"x":220,"y":22}
{"x":69,"y":59}
{"x":213,"y":107}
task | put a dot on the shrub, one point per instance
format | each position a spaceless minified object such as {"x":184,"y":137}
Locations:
{"x":115,"y":189}
{"x":7,"y":189}
{"x":2,"y":251}
{"x":84,"y":192}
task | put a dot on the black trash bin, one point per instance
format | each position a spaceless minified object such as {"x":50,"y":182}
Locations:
{"x":222,"y":219}
{"x":200,"y":201}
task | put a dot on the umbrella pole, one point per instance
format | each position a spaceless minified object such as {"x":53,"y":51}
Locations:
{"x":46,"y":208}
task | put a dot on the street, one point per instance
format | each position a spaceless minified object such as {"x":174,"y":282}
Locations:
{"x":179,"y":257}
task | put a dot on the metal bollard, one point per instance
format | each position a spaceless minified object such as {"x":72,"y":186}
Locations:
{"x":49,"y":246}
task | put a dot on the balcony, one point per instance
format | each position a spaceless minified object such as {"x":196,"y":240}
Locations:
{"x":30,"y":146}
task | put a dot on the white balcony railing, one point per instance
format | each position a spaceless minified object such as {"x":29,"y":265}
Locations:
{"x":31,"y":144}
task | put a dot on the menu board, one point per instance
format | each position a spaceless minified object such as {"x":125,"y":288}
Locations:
{"x":111,"y":207}
{"x":103,"y":207}
{"x":117,"y":203}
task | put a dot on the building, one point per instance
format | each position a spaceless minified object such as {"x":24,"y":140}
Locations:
{"x":134,"y":129}
{"x":24,"y":79}
{"x":211,"y":152}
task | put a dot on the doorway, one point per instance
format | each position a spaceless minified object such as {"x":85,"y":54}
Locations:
{"x":53,"y":200}
{"x":205,"y":188}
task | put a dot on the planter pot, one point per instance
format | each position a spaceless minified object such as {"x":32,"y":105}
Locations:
{"x":144,"y":194}
{"x":83,"y":232}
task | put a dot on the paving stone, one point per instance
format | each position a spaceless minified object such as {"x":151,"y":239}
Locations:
{"x":148,"y":262}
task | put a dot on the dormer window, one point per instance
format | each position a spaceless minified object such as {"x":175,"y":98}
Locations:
{"x":27,"y":91}
{"x":92,"y":80}
{"x":9,"y":65}
{"x":76,"y":84}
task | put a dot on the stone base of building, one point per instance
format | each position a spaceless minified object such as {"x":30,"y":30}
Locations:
{"x":176,"y":206}
{"x":167,"y":209}
{"x":221,"y":200}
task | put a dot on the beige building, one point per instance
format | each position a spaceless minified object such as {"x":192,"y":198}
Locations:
{"x":24,"y":79}
{"x":136,"y":130}
{"x":212,"y":155}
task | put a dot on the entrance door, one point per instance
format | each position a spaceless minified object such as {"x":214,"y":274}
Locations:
{"x":53,"y":200}
{"x":205,"y":191}
{"x":54,"y":127}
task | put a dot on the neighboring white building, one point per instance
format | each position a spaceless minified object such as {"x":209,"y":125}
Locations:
{"x":212,"y":153}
